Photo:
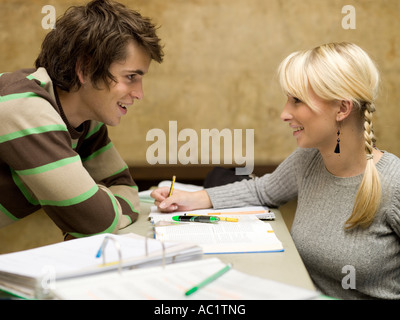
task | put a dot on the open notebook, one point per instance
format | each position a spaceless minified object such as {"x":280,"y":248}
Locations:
{"x":248,"y":235}
{"x":31,"y":273}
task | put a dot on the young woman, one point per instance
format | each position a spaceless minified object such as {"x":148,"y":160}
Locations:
{"x":348,"y":191}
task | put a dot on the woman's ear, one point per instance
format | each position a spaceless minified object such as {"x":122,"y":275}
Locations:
{"x":345,"y":108}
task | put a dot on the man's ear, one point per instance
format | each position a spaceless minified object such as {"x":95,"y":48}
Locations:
{"x":345,"y":108}
{"x":80,"y":71}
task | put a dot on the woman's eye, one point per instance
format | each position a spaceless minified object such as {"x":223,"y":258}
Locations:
{"x":296,"y":100}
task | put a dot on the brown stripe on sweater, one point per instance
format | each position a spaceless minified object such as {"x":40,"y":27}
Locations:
{"x":126,"y":210}
{"x":16,"y":82}
{"x":92,"y":216}
{"x":11,"y":197}
{"x":93,"y":143}
{"x":123,"y":178}
{"x":36,"y":149}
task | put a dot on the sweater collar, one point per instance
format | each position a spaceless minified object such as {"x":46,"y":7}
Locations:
{"x":74,"y":132}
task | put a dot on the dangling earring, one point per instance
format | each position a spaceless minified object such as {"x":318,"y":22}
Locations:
{"x":337,"y":149}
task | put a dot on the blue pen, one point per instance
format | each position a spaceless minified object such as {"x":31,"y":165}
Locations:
{"x":98,"y":255}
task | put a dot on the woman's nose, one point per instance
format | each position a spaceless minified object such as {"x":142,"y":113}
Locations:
{"x":286,"y":115}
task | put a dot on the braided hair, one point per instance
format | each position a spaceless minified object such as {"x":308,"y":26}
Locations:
{"x":369,"y":193}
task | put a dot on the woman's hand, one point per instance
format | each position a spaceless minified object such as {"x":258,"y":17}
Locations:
{"x":180,"y":200}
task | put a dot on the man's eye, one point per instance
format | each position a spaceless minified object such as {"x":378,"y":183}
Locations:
{"x":132,"y":77}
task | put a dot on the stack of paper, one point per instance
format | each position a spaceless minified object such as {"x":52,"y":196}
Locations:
{"x":31,"y":273}
{"x":174,"y":280}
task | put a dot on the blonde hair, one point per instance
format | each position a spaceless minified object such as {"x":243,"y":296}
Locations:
{"x":341,"y":71}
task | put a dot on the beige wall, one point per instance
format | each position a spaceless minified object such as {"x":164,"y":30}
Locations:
{"x":220,"y":62}
{"x":219,"y":72}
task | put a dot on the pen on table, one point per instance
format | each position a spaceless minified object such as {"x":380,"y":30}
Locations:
{"x":206,"y":219}
{"x":171,"y":189}
{"x":210,"y":279}
{"x":220,"y":218}
{"x":239,"y":212}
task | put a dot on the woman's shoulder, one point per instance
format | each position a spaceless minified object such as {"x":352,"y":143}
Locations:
{"x":389,"y":169}
{"x":301,"y":162}
{"x":389,"y":165}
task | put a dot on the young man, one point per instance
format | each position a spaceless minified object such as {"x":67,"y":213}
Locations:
{"x":55,"y":152}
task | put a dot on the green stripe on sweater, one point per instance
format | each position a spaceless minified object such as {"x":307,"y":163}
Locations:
{"x":14,"y":96}
{"x":94,"y":130}
{"x":29,"y":131}
{"x":101,"y":150}
{"x":49,"y":166}
{"x":70,"y":202}
{"x":8,"y":213}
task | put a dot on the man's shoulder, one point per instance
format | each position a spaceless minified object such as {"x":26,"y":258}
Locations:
{"x":34,"y":81}
{"x":27,"y":99}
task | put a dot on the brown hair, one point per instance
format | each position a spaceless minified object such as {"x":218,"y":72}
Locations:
{"x":94,"y":36}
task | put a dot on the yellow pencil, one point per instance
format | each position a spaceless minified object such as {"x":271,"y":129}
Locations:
{"x":236,"y":212}
{"x":172,"y":186}
{"x":228,"y":219}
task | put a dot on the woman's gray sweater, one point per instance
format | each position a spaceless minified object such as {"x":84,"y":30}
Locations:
{"x":348,"y":264}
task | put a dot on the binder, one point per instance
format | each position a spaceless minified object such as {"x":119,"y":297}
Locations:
{"x":33,"y":273}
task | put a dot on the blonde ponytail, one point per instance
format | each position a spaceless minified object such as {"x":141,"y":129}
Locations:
{"x":369,"y":193}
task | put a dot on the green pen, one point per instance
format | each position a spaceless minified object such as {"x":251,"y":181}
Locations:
{"x":207,"y":219}
{"x":210,"y":279}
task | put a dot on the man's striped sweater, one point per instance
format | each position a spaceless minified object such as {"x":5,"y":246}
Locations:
{"x":75,"y":174}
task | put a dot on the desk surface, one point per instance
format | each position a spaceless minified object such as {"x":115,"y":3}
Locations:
{"x":286,"y":266}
